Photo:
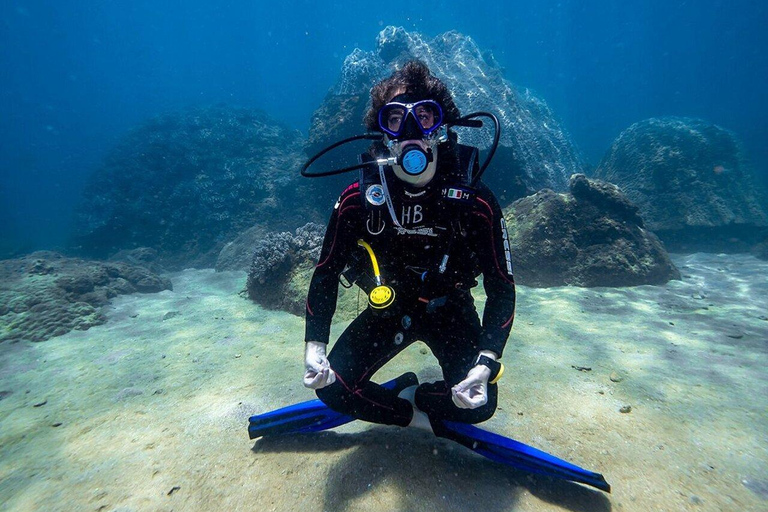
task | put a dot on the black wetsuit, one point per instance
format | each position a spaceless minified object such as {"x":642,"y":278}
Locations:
{"x":436,"y":308}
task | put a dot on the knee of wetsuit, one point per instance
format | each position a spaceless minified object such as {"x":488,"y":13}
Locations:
{"x":485,"y":412}
{"x":332,"y":396}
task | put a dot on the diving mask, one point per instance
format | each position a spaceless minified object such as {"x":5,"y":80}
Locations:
{"x":410,"y":120}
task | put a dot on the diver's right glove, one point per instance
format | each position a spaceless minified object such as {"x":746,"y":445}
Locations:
{"x":319,"y":373}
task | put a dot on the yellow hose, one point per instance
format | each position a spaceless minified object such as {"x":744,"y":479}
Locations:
{"x":382,"y":296}
{"x":367,"y":247}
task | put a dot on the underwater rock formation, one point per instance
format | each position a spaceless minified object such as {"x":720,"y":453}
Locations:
{"x":760,"y":250}
{"x":277,"y":260}
{"x":238,"y":254}
{"x":534,"y":152}
{"x":282,"y":268}
{"x":185,"y":183}
{"x":593,"y":236}
{"x":691,"y":181}
{"x":142,"y":256}
{"x":45,"y":294}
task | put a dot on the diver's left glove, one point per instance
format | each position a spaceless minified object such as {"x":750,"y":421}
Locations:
{"x":319,"y":373}
{"x":472,"y":392}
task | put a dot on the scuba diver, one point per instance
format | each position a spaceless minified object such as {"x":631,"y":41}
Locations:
{"x":414,"y":232}
{"x":430,"y":234}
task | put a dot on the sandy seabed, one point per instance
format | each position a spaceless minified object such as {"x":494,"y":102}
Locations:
{"x":149,"y":411}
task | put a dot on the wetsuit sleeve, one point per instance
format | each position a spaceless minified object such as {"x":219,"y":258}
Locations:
{"x":492,"y":249}
{"x":339,"y":241}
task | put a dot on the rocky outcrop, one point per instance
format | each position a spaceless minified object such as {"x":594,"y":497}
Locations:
{"x":45,"y":294}
{"x":141,"y":256}
{"x":593,"y":236}
{"x":277,"y":261}
{"x":534,"y":153}
{"x":238,"y":254}
{"x":760,"y":250}
{"x":282,"y":268}
{"x":188,"y":182}
{"x":691,"y":181}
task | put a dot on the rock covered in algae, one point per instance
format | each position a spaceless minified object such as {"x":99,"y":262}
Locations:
{"x":691,"y":182}
{"x":45,"y":294}
{"x":593,"y":236}
{"x":282,"y":267}
{"x":187,"y":182}
{"x":238,"y":254}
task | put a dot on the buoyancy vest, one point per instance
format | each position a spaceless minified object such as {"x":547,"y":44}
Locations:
{"x":455,"y":201}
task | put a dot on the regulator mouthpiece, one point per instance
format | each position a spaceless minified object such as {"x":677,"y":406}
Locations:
{"x":414,"y":160}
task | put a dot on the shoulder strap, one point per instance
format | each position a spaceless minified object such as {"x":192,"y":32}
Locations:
{"x":468,"y":160}
{"x":458,"y":191}
{"x":368,"y":177}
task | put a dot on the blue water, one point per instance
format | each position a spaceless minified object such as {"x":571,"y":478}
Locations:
{"x":77,"y":74}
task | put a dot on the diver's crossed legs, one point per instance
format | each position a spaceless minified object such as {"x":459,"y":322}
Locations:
{"x":371,"y":341}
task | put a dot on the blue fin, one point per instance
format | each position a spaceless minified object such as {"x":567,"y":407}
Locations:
{"x":310,"y":416}
{"x":519,"y":455}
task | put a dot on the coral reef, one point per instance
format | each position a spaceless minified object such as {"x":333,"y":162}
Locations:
{"x":590,"y":237}
{"x":277,"y":259}
{"x":282,"y":267}
{"x":691,"y":182}
{"x":185,"y":183}
{"x":44,"y":294}
{"x":534,"y":152}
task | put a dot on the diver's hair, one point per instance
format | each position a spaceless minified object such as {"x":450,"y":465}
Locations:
{"x":414,"y":78}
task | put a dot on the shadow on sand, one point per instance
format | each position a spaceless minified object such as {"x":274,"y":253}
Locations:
{"x":413,"y":470}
